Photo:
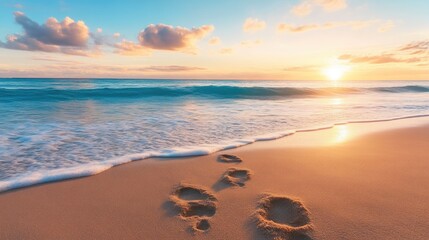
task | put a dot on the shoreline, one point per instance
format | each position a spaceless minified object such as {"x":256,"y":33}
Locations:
{"x":361,"y":181}
{"x":91,"y":169}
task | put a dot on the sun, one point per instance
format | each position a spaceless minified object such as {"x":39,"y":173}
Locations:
{"x":335,"y":72}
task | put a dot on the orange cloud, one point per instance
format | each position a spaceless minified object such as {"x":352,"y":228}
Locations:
{"x":130,"y":48}
{"x":171,"y":68}
{"x":303,"y":9}
{"x":214,"y":41}
{"x":416,"y":47}
{"x":376,"y":59}
{"x":304,"y":68}
{"x":331,"y":5}
{"x":253,"y":25}
{"x":307,"y":6}
{"x":79,"y":69}
{"x":55,"y":60}
{"x":415,"y":52}
{"x":284,"y":27}
{"x":226,"y":51}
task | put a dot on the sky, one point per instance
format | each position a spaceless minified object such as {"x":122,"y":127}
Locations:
{"x":240,"y":39}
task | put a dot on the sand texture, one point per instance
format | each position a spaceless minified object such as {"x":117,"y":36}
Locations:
{"x":344,"y":185}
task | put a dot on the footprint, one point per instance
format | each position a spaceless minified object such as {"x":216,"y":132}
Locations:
{"x":195,"y":204}
{"x":199,"y":209}
{"x":282,"y":217}
{"x":202,"y":225}
{"x":236,"y":176}
{"x":193,"y":192}
{"x":227,"y":158}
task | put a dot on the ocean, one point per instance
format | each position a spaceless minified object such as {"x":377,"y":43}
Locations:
{"x":54,"y":129}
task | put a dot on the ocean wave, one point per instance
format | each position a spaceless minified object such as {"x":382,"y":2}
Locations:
{"x":409,"y":88}
{"x":40,"y":177}
{"x":233,"y":92}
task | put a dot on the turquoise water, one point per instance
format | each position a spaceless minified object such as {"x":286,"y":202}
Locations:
{"x":52,"y":129}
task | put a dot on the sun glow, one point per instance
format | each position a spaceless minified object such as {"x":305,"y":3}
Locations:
{"x":335,"y":72}
{"x":342,"y":133}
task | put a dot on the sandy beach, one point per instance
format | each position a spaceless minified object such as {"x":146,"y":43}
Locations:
{"x":356,"y":181}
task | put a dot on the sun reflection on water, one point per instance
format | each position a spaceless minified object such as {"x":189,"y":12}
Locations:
{"x":336,"y":101}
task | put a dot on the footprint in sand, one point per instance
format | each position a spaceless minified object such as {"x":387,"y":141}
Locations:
{"x":227,"y":158}
{"x":236,"y":176}
{"x":196,"y":204}
{"x":282,"y":217}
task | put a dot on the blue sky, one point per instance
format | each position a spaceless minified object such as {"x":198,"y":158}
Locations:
{"x":407,"y":21}
{"x":130,"y":16}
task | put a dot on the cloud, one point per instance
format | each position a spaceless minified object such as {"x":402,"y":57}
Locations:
{"x":214,"y":41}
{"x":284,"y":27}
{"x":73,"y":37}
{"x":253,"y":25}
{"x":250,"y":43}
{"x":303,"y":9}
{"x":65,"y":33}
{"x":126,"y":47}
{"x":171,"y":68}
{"x":55,"y":60}
{"x":166,"y":37}
{"x":226,"y":51}
{"x":304,"y":68}
{"x":19,"y":42}
{"x":332,"y":5}
{"x":307,"y":6}
{"x":81,"y":69}
{"x":100,"y":38}
{"x":67,"y":36}
{"x":414,"y":52}
{"x":372,"y":59}
{"x":416,"y":49}
{"x":163,"y":37}
{"x":419,"y":46}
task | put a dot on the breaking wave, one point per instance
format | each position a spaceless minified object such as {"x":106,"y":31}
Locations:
{"x":233,"y":92}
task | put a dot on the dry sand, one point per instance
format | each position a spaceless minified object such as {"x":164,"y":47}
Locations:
{"x":341,"y":183}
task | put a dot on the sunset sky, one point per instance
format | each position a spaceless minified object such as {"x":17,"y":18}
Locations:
{"x":240,"y":39}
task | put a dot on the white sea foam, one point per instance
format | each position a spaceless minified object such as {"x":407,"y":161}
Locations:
{"x":88,"y":169}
